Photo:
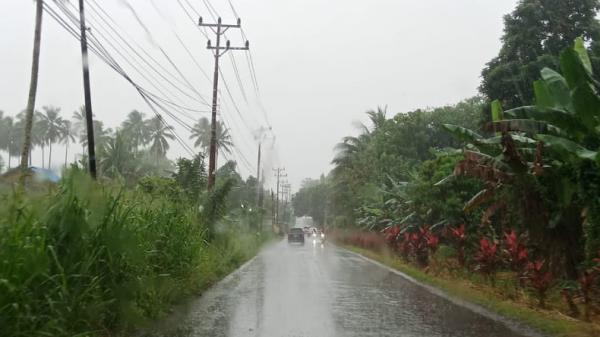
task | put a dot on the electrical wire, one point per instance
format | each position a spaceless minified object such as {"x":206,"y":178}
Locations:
{"x":123,"y":46}
{"x":100,"y":52}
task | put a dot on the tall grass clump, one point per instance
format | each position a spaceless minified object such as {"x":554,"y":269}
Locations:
{"x":89,"y":259}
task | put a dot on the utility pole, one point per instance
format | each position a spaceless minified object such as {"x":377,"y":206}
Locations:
{"x":87,"y":93}
{"x":258,"y":185}
{"x":279,"y":174}
{"x":285,"y":195}
{"x":259,"y":135}
{"x":272,"y":210}
{"x":218,"y":51}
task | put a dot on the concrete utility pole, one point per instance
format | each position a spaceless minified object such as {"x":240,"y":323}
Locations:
{"x":279,"y":174}
{"x":218,"y":51}
{"x":87,"y":93}
{"x":272,"y":210}
{"x":260,"y":136}
{"x":258,"y":186}
{"x":285,"y":195}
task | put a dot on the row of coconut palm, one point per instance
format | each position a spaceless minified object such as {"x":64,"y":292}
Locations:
{"x":152,"y":135}
{"x":49,"y":128}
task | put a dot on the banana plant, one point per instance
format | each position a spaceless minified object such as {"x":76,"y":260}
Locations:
{"x":566,"y":116}
{"x":538,"y":155}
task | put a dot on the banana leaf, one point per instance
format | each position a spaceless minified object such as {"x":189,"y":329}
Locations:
{"x":568,"y":146}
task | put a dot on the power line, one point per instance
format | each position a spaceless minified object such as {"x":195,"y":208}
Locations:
{"x":103,"y":55}
{"x":130,"y":59}
{"x":237,"y":75}
{"x":149,"y":34}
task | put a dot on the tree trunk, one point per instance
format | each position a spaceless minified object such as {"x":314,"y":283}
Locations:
{"x":9,"y":155}
{"x":570,"y":232}
{"x":66,"y":152}
{"x":43,"y":155}
{"x":32,"y":84}
{"x":49,"y":156}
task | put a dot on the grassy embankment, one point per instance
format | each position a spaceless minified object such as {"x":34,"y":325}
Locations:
{"x":502,"y":299}
{"x":84,"y":259}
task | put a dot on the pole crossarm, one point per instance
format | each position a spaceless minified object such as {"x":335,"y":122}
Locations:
{"x":220,"y":24}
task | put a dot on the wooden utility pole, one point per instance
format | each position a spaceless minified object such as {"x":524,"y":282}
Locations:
{"x":258,"y":185}
{"x":279,"y":174}
{"x":218,"y":51}
{"x":87,"y":93}
{"x":285,"y":195}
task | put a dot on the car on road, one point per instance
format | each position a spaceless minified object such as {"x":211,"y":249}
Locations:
{"x":296,"y":235}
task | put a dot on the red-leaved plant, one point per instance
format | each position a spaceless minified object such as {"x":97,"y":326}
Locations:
{"x":539,"y":279}
{"x":433,"y":242}
{"x":391,"y":234}
{"x":404,"y":246}
{"x":516,"y":253}
{"x":421,"y":243}
{"x":487,"y":259}
{"x":459,"y":237}
{"x":587,"y":283}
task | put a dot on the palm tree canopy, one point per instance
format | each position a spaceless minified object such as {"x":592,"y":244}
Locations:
{"x":135,"y":130}
{"x":53,"y":123}
{"x":102,"y":136}
{"x":5,"y":124}
{"x":79,"y":120}
{"x":201,"y":132}
{"x":159,"y":135}
{"x":67,"y":134}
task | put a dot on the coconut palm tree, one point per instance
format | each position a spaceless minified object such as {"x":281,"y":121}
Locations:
{"x":54,"y":125}
{"x":116,"y":158}
{"x":39,"y":132}
{"x":3,"y":131}
{"x":159,"y":135}
{"x":102,"y":136}
{"x":79,"y":127}
{"x":6,"y":130}
{"x":67,"y":136}
{"x":26,"y":135}
{"x":15,"y":134}
{"x":135,"y":130}
{"x":201,"y":134}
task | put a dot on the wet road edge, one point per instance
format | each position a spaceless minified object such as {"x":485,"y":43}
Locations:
{"x":514,"y":325}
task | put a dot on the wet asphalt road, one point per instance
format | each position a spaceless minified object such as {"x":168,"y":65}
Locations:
{"x":322,"y":290}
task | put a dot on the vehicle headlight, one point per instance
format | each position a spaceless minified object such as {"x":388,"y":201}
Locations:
{"x":322,"y":235}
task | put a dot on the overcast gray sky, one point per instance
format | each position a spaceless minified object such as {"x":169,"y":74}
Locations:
{"x":320,"y":65}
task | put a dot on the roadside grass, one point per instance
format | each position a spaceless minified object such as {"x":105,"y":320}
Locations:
{"x":90,"y":259}
{"x":474,"y":290}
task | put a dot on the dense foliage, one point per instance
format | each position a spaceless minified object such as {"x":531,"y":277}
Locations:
{"x":534,"y":35}
{"x":86,"y":258}
{"x":92,"y":258}
{"x":522,"y":196}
